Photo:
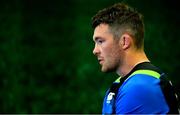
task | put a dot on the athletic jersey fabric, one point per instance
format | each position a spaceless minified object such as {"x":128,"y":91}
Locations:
{"x":140,"y":93}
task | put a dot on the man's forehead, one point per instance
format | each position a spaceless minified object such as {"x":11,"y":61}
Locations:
{"x":100,"y":30}
{"x":102,"y":27}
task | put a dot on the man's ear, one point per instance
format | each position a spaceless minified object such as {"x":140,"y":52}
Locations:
{"x":125,"y":41}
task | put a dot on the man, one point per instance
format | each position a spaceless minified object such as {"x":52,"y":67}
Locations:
{"x":119,"y":46}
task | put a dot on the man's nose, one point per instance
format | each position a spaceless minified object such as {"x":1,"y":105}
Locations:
{"x":96,"y":50}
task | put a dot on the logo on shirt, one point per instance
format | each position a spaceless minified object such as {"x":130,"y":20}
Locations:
{"x":110,"y":97}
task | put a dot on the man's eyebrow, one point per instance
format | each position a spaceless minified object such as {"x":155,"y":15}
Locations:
{"x":97,"y":38}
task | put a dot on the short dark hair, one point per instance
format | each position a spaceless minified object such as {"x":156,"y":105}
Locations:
{"x":120,"y":17}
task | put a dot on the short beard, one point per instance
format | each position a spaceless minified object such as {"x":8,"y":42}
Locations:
{"x":112,"y":68}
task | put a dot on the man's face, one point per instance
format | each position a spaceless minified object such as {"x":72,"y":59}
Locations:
{"x":107,"y":49}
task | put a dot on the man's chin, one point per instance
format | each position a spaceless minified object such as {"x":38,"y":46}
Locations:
{"x":103,"y":69}
{"x":107,"y":67}
{"x":106,"y":70}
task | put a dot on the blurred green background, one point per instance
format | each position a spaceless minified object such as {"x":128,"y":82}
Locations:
{"x":46,"y":60}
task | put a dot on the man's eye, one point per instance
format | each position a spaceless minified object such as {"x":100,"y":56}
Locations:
{"x":100,"y":41}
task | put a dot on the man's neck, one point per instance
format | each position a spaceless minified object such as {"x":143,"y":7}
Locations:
{"x":130,"y":61}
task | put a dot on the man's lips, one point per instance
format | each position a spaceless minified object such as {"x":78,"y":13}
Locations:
{"x":101,"y":60}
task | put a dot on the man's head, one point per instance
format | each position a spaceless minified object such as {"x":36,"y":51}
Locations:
{"x":122,"y":18}
{"x":116,"y":29}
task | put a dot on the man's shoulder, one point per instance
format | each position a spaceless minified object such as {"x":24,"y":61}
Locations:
{"x":140,"y":91}
{"x":140,"y":79}
{"x":141,"y":83}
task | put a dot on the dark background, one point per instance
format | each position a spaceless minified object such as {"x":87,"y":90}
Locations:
{"x":46,"y":60}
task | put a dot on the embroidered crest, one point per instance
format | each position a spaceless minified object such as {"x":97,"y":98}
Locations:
{"x":110,"y":97}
